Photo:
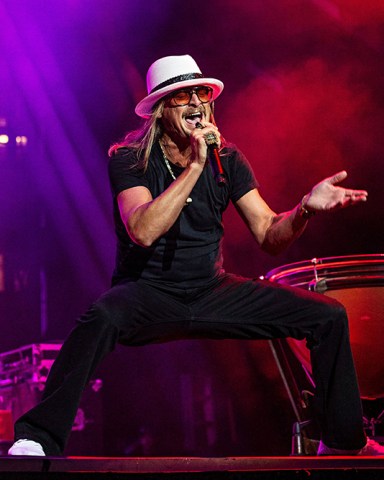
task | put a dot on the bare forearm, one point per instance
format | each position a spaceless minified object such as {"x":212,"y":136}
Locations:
{"x":284,"y":229}
{"x":151,"y":220}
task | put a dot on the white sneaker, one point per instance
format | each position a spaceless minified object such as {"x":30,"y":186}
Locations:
{"x":371,"y":449}
{"x":26,"y":447}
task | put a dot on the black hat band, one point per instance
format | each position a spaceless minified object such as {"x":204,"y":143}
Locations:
{"x":180,"y":78}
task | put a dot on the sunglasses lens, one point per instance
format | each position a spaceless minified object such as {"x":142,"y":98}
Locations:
{"x":204,"y":94}
{"x":182,"y":97}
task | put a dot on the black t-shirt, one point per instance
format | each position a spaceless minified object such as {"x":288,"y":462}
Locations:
{"x":190,"y":253}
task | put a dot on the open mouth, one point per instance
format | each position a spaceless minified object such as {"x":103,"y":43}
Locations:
{"x":193,"y":118}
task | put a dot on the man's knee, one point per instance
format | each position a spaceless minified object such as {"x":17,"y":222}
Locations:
{"x":99,"y":317}
{"x":336,"y":311}
{"x":333,"y":318}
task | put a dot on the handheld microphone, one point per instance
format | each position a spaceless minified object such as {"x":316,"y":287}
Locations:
{"x":214,"y":157}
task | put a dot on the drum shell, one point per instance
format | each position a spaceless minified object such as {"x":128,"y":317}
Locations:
{"x":358,"y":283}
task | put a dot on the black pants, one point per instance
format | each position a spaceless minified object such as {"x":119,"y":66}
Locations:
{"x":135,"y":313}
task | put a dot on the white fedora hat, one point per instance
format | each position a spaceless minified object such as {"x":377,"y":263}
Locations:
{"x":172,"y":73}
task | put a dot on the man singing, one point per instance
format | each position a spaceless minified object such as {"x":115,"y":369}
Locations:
{"x":171,"y":182}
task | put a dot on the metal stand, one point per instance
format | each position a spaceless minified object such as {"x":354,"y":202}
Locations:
{"x":371,"y":424}
{"x":302,"y":443}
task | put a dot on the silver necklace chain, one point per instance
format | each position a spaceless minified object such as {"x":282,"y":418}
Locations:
{"x":168,"y":165}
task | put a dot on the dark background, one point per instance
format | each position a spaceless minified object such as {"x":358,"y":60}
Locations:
{"x":303,"y":99}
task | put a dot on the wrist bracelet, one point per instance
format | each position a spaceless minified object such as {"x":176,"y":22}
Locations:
{"x":303,"y":212}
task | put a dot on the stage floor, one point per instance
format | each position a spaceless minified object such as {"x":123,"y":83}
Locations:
{"x":192,"y":467}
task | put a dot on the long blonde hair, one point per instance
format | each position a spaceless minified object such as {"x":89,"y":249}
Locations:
{"x":143,"y":139}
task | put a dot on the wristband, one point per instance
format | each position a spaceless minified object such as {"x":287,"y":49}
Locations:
{"x":304,"y":212}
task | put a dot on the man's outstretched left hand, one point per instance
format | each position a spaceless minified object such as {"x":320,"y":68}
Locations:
{"x":326,"y":196}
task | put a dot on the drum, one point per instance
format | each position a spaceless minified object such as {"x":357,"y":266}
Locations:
{"x":358,"y":283}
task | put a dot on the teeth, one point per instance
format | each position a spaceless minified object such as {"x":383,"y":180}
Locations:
{"x":194,"y":115}
{"x":193,"y":118}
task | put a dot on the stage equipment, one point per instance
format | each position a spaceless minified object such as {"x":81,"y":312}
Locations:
{"x":357,"y":282}
{"x":23,"y":373}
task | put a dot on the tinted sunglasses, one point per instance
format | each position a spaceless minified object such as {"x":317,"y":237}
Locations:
{"x":183,"y":97}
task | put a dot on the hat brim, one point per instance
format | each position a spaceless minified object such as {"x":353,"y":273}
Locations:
{"x":145,"y":106}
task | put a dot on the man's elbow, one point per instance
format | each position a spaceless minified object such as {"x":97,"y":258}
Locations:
{"x":145,"y":242}
{"x":141,"y":237}
{"x":272,"y":248}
